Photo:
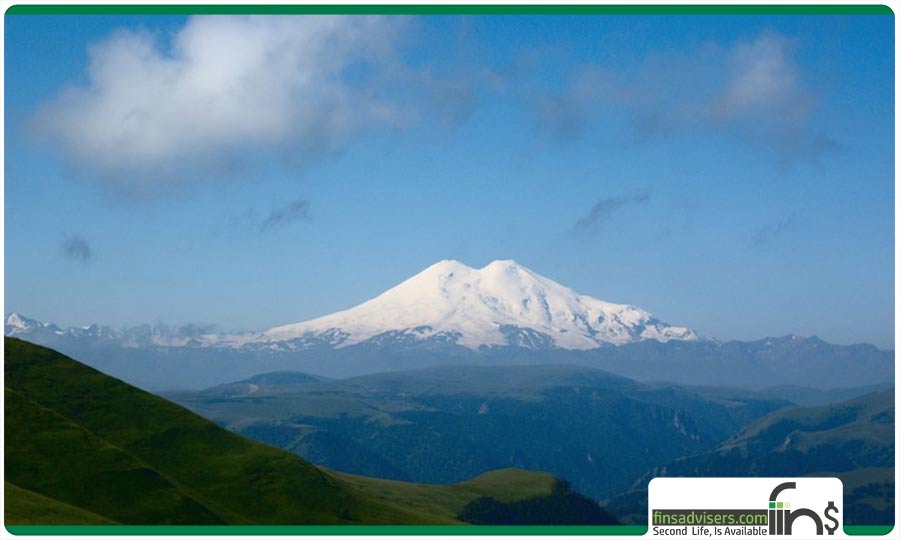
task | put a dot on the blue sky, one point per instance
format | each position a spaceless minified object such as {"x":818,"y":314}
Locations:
{"x":730,"y":174}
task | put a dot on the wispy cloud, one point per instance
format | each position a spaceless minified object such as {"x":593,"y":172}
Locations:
{"x":296,"y":210}
{"x":604,"y":209}
{"x":753,"y":90}
{"x":765,"y":235}
{"x":565,"y":115}
{"x":76,"y":248}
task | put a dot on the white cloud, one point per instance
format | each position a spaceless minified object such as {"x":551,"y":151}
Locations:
{"x":222,"y":82}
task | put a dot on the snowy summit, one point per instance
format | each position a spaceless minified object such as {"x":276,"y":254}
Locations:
{"x":448,"y":303}
{"x":501,"y":304}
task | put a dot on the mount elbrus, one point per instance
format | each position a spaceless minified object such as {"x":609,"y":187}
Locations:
{"x":451,"y":313}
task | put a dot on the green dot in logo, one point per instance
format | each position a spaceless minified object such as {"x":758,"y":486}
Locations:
{"x":781,"y":505}
{"x":771,"y":504}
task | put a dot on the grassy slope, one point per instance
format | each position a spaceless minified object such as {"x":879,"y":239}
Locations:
{"x":52,"y":455}
{"x":25,"y":506}
{"x":88,"y":448}
{"x":89,"y":440}
{"x":505,"y":485}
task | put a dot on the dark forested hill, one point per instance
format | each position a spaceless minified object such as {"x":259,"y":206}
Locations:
{"x":853,"y":440}
{"x":597,"y":430}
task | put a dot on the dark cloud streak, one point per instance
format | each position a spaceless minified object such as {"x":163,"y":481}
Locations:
{"x":605,"y":208}
{"x":77,"y":248}
{"x":296,"y":210}
{"x":766,"y":235}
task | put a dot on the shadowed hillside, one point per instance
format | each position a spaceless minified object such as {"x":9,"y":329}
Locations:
{"x":852,"y":440}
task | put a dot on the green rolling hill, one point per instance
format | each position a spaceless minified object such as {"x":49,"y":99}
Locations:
{"x":85,"y":448}
{"x":25,"y":506}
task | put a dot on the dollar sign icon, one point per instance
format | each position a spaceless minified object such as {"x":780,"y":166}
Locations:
{"x":834,"y":522}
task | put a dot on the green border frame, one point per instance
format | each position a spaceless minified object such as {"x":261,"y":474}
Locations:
{"x":438,"y":9}
{"x":868,"y":530}
{"x":376,"y":530}
{"x":417,"y":9}
{"x":331,"y":530}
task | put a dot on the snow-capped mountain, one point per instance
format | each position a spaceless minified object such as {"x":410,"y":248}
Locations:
{"x":452,"y":314}
{"x":448,"y":303}
{"x":15,"y":325}
{"x":145,"y":335}
{"x":501,"y":304}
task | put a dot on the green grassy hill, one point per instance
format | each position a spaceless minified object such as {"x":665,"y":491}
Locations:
{"x":84,"y":448}
{"x":547,"y":500}
{"x":449,"y":500}
{"x":25,"y":506}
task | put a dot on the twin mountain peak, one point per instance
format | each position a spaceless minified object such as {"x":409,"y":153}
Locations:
{"x":501,"y":304}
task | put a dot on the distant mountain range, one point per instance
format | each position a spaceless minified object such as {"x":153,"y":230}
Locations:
{"x":452,"y":314}
{"x":83,"y":448}
{"x":142,"y":336}
{"x":854,"y":440}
